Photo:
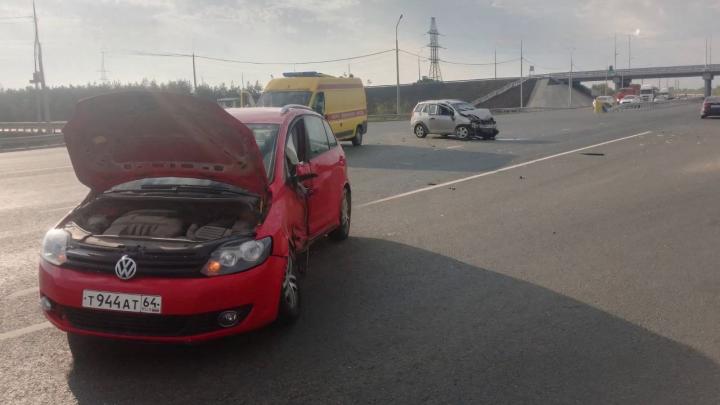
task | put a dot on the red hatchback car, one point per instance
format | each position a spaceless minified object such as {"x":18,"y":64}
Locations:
{"x":196,"y":217}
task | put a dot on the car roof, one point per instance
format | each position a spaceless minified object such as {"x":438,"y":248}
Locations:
{"x":268,"y":115}
{"x":446,"y":101}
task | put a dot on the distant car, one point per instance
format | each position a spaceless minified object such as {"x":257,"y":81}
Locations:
{"x":710,"y":107}
{"x":196,"y":218}
{"x":452,"y":117}
{"x":607,"y":101}
{"x":630,"y":99}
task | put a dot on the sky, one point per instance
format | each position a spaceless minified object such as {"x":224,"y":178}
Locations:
{"x":75,"y":32}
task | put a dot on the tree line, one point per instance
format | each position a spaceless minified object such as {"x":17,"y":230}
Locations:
{"x":21,"y":104}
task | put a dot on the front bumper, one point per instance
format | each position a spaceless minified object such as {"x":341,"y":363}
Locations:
{"x":480,"y":129}
{"x":190,"y":305}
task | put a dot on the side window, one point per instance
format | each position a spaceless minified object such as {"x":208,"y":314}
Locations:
{"x":434,"y":109}
{"x":330,"y":135}
{"x":295,"y":148}
{"x":445,"y":110}
{"x":426,"y":108}
{"x":319,"y":103}
{"x":316,"y":136}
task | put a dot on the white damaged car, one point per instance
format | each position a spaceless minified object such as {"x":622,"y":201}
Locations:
{"x":452,"y":117}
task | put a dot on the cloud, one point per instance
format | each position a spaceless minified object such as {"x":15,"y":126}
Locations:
{"x":75,"y":31}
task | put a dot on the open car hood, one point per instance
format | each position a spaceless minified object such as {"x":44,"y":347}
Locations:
{"x":119,"y":137}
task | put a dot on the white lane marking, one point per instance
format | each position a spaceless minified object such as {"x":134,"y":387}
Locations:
{"x":565,"y":130}
{"x":454,"y":147}
{"x":20,"y":293}
{"x":43,"y":169}
{"x":24,"y":331}
{"x":504,"y":169}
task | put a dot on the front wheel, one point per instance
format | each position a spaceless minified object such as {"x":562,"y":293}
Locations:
{"x":343,"y":230}
{"x":462,"y":133}
{"x":420,"y":131}
{"x":289,"y":308}
{"x":357,"y":140}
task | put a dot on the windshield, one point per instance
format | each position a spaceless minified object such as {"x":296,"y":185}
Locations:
{"x":283,"y":98}
{"x":462,"y":106}
{"x":266,"y":138}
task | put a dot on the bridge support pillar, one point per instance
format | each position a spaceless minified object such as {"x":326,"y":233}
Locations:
{"x":708,"y":78}
{"x":620,"y":83}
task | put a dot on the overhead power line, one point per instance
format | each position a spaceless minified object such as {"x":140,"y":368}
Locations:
{"x":250,"y":62}
{"x":461,"y":63}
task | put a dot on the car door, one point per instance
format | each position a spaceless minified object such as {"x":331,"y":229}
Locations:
{"x":322,"y":203}
{"x":432,"y":119}
{"x":445,"y":120}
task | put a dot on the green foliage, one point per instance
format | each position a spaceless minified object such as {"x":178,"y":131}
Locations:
{"x":21,"y":104}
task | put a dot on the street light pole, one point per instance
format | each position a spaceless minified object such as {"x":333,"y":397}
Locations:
{"x":521,"y":73}
{"x":629,"y":51}
{"x":397,"y":67}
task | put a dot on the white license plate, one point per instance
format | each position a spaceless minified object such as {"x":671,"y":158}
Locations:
{"x":122,"y":302}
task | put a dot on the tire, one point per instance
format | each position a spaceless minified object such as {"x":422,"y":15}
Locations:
{"x":420,"y":131}
{"x":289,"y":307}
{"x":462,"y":132}
{"x":357,"y":140}
{"x":343,"y":231}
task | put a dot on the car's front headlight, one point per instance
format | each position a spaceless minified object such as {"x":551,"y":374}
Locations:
{"x":235,"y":257}
{"x":54,"y":246}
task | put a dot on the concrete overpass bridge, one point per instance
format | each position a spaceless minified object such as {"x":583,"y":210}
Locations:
{"x":623,"y":77}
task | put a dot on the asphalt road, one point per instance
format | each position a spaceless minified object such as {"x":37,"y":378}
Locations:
{"x":543,"y":275}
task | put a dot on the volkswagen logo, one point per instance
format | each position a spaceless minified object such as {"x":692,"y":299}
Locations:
{"x":125,"y":268}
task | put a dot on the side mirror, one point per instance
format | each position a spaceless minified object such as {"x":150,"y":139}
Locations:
{"x":303,"y":172}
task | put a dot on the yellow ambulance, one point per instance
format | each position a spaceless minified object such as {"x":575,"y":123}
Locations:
{"x":340,"y":99}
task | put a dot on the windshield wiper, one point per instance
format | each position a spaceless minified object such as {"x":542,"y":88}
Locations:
{"x":180,"y":188}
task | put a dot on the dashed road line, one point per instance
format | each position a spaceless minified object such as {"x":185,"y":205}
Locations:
{"x":504,"y":169}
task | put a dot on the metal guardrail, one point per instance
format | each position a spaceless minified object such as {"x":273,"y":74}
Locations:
{"x":26,"y":128}
{"x":653,"y":105}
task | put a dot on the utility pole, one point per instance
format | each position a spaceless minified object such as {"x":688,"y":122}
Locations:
{"x":570,"y":80}
{"x":418,"y":67}
{"x":242,"y":89}
{"x":495,"y":63}
{"x":521,"y":73}
{"x":194,"y":75}
{"x":615,"y":55}
{"x":397,"y":67}
{"x":39,"y":75}
{"x":103,"y":72}
{"x":629,"y":51}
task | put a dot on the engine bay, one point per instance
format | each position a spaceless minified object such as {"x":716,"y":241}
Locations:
{"x":182,"y":219}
